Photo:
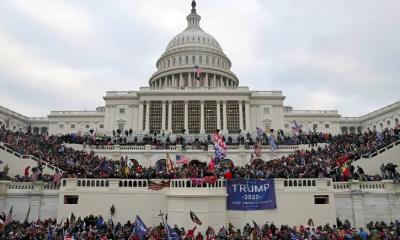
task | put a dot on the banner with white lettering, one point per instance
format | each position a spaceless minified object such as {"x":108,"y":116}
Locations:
{"x":251,"y":194}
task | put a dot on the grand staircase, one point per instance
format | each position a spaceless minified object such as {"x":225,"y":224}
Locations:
{"x":17,"y":162}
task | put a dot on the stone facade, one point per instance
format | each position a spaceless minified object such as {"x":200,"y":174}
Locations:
{"x":360,"y":202}
{"x":194,"y":91}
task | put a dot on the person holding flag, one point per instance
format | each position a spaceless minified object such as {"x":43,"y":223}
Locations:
{"x":170,"y":165}
{"x":197,"y":70}
{"x":139,"y":230}
{"x":219,"y":146}
{"x":296,"y":129}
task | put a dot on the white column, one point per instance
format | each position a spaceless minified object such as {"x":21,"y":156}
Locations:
{"x":180,"y":80}
{"x":169,"y":116}
{"x":225,"y":122}
{"x":173,"y":82}
{"x":189,"y":80}
{"x":202,"y":130}
{"x":247,"y":115}
{"x":240,"y":116}
{"x":215,"y":81}
{"x":205,"y":81}
{"x":163,"y":116}
{"x":140,"y":117}
{"x":147,"y":127}
{"x":218,"y":115}
{"x":186,"y":117}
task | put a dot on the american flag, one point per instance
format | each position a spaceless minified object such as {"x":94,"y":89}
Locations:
{"x":181,"y":159}
{"x":36,"y":174}
{"x":260,"y":132}
{"x":296,"y":129}
{"x":258,"y":229}
{"x":57,"y":178}
{"x":170,"y":164}
{"x":158,"y":186}
{"x":219,"y":147}
{"x":8,"y":219}
{"x":198,"y":70}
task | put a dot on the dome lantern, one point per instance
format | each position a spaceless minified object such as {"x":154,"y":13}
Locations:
{"x":193,"y":18}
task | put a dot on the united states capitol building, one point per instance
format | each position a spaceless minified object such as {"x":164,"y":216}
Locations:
{"x":180,"y":99}
{"x":193,"y":91}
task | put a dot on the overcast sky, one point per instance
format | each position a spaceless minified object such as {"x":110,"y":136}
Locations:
{"x":331,"y":54}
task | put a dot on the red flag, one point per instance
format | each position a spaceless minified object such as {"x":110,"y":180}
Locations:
{"x":211,"y":165}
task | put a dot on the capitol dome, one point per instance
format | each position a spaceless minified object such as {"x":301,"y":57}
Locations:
{"x":193,"y":59}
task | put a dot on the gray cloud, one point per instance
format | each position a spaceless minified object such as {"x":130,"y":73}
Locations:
{"x":334,"y":54}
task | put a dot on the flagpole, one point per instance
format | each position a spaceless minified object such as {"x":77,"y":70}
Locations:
{"x":165,"y":226}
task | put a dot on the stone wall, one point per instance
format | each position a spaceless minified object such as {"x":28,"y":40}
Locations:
{"x":360,"y":202}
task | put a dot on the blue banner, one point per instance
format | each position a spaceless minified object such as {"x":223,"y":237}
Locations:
{"x":251,"y":194}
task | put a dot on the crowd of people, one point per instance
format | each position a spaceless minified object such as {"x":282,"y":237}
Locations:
{"x":167,"y":139}
{"x":96,"y":227}
{"x":331,"y":161}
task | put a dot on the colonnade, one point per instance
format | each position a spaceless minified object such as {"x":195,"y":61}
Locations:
{"x":188,"y":80}
{"x":167,"y":113}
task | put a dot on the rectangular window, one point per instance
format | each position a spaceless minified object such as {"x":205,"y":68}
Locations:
{"x":72,"y":126}
{"x":221,"y":114}
{"x":144,"y":115}
{"x":315,"y":126}
{"x":266,"y":110}
{"x":101,"y":126}
{"x":178,"y":116}
{"x":232,"y":112}
{"x":244,"y":115}
{"x":87,"y":126}
{"x":207,"y":60}
{"x":187,"y":60}
{"x":122,"y":110}
{"x":210,"y":116}
{"x":321,"y":199}
{"x":71,"y":199}
{"x":194,"y":116}
{"x":121,"y":126}
{"x":193,"y":59}
{"x":326,"y":125}
{"x":61,"y":126}
{"x":167,"y":106}
{"x":155,"y":116}
{"x":200,"y":60}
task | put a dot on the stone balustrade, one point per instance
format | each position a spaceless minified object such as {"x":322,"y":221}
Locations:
{"x":178,"y":147}
{"x":44,"y":163}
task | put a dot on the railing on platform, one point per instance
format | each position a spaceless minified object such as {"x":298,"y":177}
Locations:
{"x":33,"y":185}
{"x":180,"y":148}
{"x":356,"y":185}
